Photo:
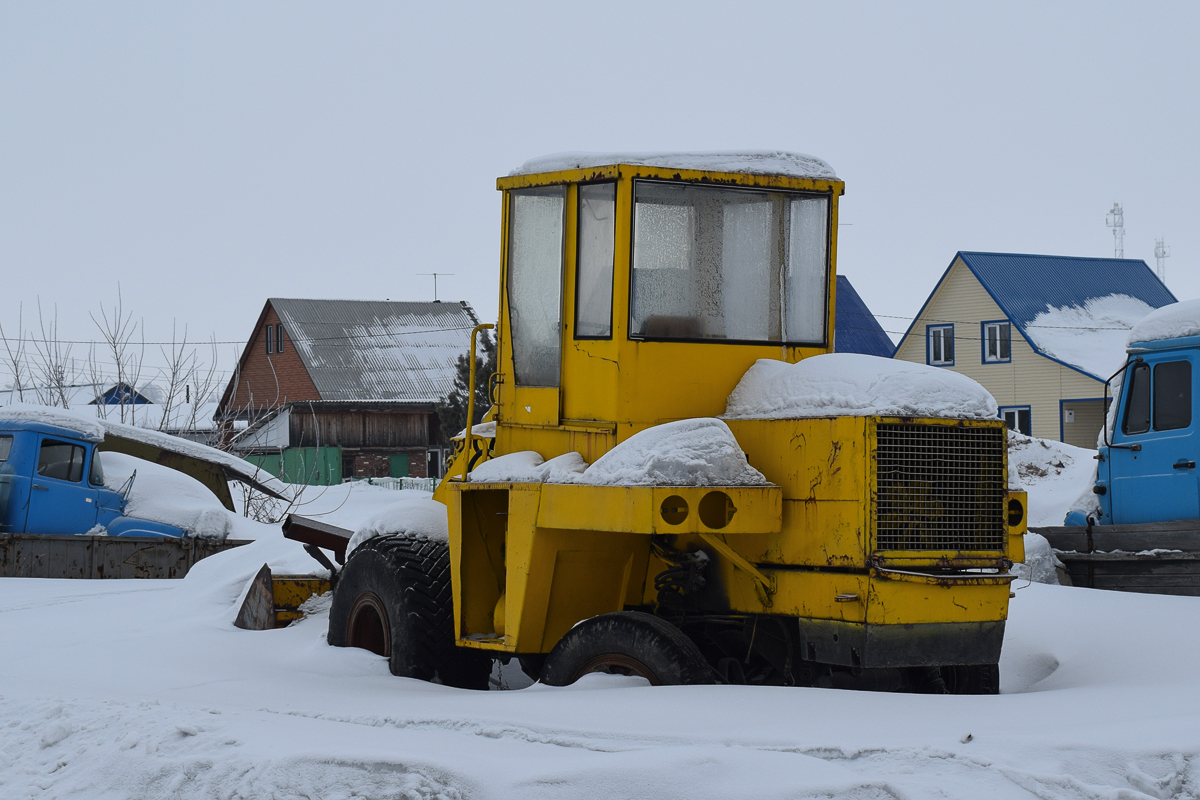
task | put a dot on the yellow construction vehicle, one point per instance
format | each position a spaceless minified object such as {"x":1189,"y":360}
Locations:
{"x":637,"y":291}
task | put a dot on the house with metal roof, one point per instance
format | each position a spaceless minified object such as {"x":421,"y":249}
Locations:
{"x":1041,"y":333}
{"x":855,"y":329}
{"x":334,"y":389}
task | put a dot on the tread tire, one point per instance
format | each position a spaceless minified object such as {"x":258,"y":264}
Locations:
{"x":405,"y":580}
{"x":637,"y":643}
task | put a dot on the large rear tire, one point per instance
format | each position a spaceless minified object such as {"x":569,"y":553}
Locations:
{"x":627,"y":643}
{"x":393,"y":598}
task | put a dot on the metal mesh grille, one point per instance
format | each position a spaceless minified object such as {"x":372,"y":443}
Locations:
{"x":940,"y":487}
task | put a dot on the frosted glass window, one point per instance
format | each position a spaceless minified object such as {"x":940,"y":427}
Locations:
{"x":535,"y":258}
{"x":807,"y":269}
{"x":732,"y":264}
{"x":594,"y":276}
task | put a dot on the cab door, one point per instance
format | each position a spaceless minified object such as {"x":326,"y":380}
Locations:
{"x":60,"y":499}
{"x":1152,"y":463}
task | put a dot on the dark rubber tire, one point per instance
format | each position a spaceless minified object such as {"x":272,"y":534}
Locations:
{"x":627,"y":643}
{"x":393,"y":598}
{"x":972,"y":679}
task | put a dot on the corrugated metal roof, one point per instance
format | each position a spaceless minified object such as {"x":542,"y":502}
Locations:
{"x":378,"y":350}
{"x":1026,"y":285}
{"x":855,"y":328}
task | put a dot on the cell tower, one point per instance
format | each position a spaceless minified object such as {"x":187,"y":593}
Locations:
{"x":1116,"y":221}
{"x":1161,"y":252}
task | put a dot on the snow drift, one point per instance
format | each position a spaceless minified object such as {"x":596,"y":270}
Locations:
{"x":849,"y":384}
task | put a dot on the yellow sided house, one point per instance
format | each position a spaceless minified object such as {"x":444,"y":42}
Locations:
{"x":1041,"y":333}
{"x":679,"y":478}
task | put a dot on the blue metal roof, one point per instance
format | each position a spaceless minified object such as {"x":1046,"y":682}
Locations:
{"x":855,"y":328}
{"x":1026,"y":285}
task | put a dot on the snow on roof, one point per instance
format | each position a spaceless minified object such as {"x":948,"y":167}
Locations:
{"x":371,"y":350}
{"x":1169,"y":322}
{"x":854,"y":385}
{"x":756,"y":162}
{"x":86,"y":425}
{"x":1091,"y":336}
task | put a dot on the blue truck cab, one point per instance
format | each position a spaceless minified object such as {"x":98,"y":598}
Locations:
{"x":52,"y":483}
{"x":1147,"y":467}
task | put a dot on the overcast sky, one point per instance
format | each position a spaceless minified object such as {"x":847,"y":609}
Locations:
{"x":208,"y":156}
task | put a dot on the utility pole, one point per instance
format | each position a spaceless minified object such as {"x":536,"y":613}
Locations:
{"x":1161,"y":253}
{"x":1116,"y":221}
{"x":435,"y":277}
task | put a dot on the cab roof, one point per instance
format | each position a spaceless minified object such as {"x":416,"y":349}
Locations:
{"x":753,"y":162}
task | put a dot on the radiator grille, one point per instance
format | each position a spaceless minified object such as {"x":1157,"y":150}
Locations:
{"x":940,"y":487}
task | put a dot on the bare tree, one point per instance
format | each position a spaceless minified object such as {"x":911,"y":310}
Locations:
{"x":54,"y":371}
{"x":15,"y":356}
{"x":180,"y":369}
{"x":118,"y":331}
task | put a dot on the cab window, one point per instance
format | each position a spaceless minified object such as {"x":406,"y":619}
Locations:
{"x":61,"y":460}
{"x":1172,"y":395}
{"x":1137,"y":408}
{"x":5,"y":448}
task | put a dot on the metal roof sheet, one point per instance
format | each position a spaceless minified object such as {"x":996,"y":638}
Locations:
{"x":855,"y":328}
{"x":378,"y":350}
{"x":1026,"y":285}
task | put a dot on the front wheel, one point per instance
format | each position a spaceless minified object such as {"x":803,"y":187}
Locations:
{"x":393,"y":598}
{"x":627,"y":643}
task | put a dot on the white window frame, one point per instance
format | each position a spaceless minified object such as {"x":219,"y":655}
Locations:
{"x":996,"y":358}
{"x":938,"y":332}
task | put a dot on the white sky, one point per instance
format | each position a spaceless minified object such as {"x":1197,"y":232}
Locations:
{"x":208,"y":156}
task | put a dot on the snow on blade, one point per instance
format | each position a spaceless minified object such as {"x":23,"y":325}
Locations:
{"x":161,"y":494}
{"x":1092,"y":336}
{"x":849,"y":384}
{"x":417,"y":515}
{"x":757,"y":162}
{"x":1169,"y":322}
{"x":690,"y":452}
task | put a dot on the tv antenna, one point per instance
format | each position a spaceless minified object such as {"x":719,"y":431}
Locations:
{"x":1161,"y":252}
{"x":1116,"y":221}
{"x":435,"y":277}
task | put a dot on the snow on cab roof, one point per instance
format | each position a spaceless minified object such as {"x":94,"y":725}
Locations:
{"x":755,"y":162}
{"x":1169,"y":322}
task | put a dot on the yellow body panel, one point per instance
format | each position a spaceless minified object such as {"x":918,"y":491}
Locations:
{"x":531,"y":560}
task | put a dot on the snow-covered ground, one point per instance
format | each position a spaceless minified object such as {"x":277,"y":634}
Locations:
{"x":145,"y":689}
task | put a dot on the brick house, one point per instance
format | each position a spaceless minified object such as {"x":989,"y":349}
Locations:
{"x":333,"y":389}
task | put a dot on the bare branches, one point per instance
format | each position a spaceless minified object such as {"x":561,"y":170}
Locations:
{"x":15,"y":356}
{"x":54,"y":371}
{"x":117,"y":332}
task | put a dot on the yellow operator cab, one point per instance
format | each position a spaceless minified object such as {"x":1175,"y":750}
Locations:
{"x":636,"y":292}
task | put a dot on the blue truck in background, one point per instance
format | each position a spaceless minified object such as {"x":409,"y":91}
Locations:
{"x":58,"y":518}
{"x":1141,"y":533}
{"x":52,"y":483}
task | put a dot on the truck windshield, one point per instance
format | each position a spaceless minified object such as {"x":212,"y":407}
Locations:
{"x":729,"y":264}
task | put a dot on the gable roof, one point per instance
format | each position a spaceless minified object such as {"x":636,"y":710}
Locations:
{"x":1026,"y":285}
{"x":855,"y":328}
{"x":378,"y":350}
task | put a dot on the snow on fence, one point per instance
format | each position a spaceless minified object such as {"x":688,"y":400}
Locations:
{"x":420,"y":484}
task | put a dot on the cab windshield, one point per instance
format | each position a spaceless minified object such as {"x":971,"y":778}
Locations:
{"x":729,"y":264}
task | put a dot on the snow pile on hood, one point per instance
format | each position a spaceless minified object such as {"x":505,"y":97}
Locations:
{"x":756,"y":162}
{"x":690,"y":452}
{"x":161,"y":494}
{"x":1092,"y":336}
{"x":1168,"y":322}
{"x":86,"y":425}
{"x":416,"y":516}
{"x":486,"y":430}
{"x":849,"y":384}
{"x":527,"y":466}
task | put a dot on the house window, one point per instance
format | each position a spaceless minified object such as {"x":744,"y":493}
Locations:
{"x":1017,"y":419}
{"x":941,"y":345}
{"x":270,"y":338}
{"x":997,"y":342}
{"x":278,"y":338}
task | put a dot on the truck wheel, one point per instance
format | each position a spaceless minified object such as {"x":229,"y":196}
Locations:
{"x":972,"y":679}
{"x":627,"y":643}
{"x":393,"y":598}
